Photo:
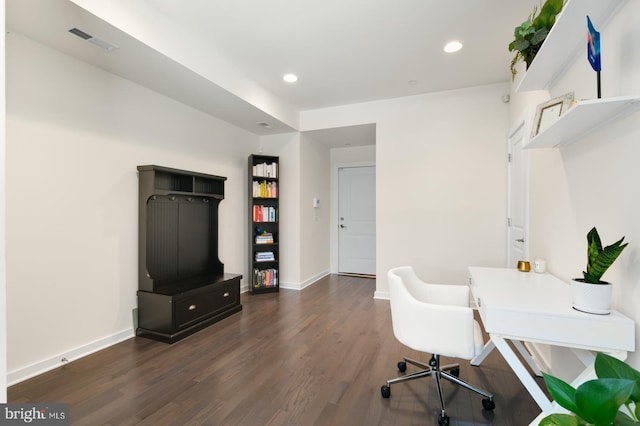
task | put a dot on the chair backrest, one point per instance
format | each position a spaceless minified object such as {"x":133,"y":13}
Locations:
{"x":432,"y":318}
{"x":440,"y":294}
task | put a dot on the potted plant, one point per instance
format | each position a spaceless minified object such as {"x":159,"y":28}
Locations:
{"x":530,"y":35}
{"x":611,"y":399}
{"x":590,"y":293}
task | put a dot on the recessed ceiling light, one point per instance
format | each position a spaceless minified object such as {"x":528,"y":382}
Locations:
{"x":290,"y":78}
{"x":264,"y":124}
{"x":452,"y":46}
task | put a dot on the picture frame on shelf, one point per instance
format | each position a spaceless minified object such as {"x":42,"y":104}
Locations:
{"x":550,"y":111}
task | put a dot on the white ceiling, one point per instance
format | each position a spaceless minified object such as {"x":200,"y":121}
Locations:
{"x":344,"y":51}
{"x":348,"y":51}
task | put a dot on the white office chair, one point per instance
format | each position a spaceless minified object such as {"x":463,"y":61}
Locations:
{"x":435,"y":319}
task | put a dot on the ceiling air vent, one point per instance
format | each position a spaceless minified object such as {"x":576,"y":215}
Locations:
{"x":94,"y":40}
{"x":80,"y":33}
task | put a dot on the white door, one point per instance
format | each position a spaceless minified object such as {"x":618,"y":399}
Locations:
{"x":517,"y":214}
{"x":357,"y":220}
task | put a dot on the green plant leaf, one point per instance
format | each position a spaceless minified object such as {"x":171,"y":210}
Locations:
{"x":524,"y":29}
{"x":600,"y":259}
{"x":603,"y":261}
{"x":624,"y":420}
{"x":548,"y":12}
{"x":607,"y":366}
{"x":562,"y":392}
{"x":534,"y":31}
{"x":599,"y":400}
{"x":594,"y":245}
{"x":560,"y":420}
{"x":521,"y":45}
{"x":539,"y":36}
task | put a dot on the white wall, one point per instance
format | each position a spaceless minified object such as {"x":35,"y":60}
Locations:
{"x":594,"y":181}
{"x":315,"y":234}
{"x":304,"y":174}
{"x":441,"y":179}
{"x":3,"y":277}
{"x":75,"y":135}
{"x":353,"y":154}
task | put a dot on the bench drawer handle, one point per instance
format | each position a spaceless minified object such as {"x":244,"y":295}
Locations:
{"x":192,"y":307}
{"x":226,"y":294}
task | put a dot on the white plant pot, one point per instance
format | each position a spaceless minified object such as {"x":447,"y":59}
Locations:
{"x":591,"y":298}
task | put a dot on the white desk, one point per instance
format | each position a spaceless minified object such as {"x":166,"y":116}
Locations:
{"x":530,"y":307}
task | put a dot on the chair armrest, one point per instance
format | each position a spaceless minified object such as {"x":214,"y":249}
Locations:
{"x":438,"y":329}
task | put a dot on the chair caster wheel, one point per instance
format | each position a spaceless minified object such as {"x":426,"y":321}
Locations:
{"x":443,"y":420}
{"x":385,"y":391}
{"x":402,"y":366}
{"x":488,"y":404}
{"x":455,"y":372}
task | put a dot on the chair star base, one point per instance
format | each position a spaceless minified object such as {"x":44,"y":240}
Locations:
{"x":449,"y":372}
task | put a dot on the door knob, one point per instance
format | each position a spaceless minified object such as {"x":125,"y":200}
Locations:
{"x":342,"y":226}
{"x":520,"y":240}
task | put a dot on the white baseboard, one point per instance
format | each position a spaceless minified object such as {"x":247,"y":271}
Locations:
{"x":306,"y":283}
{"x":292,"y":285}
{"x":24,"y":373}
{"x":381,"y":295}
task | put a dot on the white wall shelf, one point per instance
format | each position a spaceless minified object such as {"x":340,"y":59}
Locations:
{"x":583,"y":117}
{"x":565,"y":40}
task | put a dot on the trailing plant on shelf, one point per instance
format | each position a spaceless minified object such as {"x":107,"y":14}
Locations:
{"x":529,"y":36}
{"x":611,"y":399}
{"x":599,"y":259}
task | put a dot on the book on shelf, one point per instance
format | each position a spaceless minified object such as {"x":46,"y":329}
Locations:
{"x":265,"y":256}
{"x":265,"y":277}
{"x":264,"y":189}
{"x":266,"y":238}
{"x":264,"y":213}
{"x":269,"y":170}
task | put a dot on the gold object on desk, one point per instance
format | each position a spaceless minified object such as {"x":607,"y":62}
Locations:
{"x":524,"y":266}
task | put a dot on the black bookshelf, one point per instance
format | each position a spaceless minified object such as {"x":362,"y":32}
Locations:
{"x":264,"y":211}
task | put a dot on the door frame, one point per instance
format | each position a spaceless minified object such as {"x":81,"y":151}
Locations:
{"x":333,"y":222}
{"x":523,"y":122}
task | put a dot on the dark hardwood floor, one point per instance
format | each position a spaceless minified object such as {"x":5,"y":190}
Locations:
{"x":311,"y":357}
